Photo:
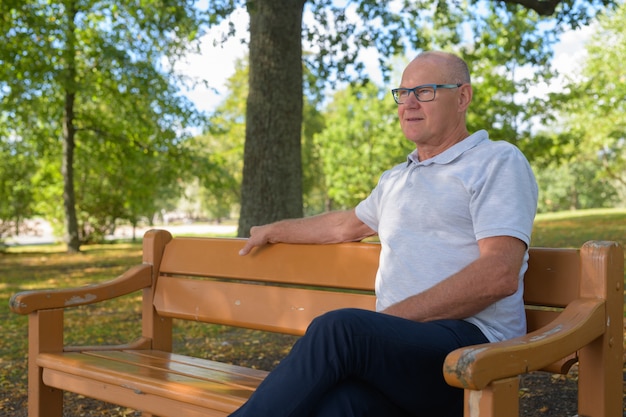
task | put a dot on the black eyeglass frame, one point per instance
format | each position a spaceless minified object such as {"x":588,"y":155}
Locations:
{"x":395,"y":91}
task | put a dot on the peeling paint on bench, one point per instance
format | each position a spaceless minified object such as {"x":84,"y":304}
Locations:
{"x":78,"y":299}
{"x":550,"y":332}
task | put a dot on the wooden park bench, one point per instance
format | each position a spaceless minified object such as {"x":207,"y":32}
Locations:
{"x":575,"y":314}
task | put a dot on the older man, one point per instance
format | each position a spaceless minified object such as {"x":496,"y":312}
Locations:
{"x":454,"y":222}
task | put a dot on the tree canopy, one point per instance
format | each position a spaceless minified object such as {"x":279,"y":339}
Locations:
{"x":334,"y":39}
{"x":585,"y":150}
{"x":87,"y":86}
{"x":94,"y":122}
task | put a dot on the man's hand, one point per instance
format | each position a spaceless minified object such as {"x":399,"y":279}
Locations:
{"x":258,"y":237}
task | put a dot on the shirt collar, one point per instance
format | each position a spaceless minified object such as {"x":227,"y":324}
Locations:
{"x":452,"y":152}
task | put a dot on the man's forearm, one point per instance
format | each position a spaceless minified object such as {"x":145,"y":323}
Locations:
{"x":490,"y":278}
{"x":332,"y":227}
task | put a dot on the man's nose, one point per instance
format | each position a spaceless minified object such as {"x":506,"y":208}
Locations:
{"x":411,"y":100}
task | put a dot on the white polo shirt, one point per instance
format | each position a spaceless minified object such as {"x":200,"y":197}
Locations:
{"x":430,"y":214}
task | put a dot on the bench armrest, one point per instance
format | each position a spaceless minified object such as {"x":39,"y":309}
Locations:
{"x":475,"y":367}
{"x":134,"y":279}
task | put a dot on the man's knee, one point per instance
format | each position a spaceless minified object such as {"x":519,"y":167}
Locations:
{"x":340,"y":320}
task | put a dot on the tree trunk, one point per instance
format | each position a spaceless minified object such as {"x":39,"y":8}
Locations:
{"x":69,"y":132}
{"x":272,"y":175}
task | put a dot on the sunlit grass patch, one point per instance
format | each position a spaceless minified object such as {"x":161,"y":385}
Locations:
{"x":573,"y":228}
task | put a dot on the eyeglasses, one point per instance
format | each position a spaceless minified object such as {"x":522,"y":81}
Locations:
{"x":423,"y":93}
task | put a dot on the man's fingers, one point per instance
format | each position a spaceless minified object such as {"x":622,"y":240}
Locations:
{"x":246,"y":249}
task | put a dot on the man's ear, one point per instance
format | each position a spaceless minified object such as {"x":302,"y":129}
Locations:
{"x":465,"y":96}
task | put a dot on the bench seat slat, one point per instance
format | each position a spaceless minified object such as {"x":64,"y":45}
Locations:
{"x":277,"y":309}
{"x":203,"y":363}
{"x":348,"y":265}
{"x":205,"y":371}
{"x":143,"y":377}
{"x":153,"y":404}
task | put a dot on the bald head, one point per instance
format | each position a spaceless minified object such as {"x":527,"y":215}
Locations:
{"x":452,"y":67}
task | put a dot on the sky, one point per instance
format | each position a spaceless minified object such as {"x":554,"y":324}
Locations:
{"x":216,"y":62}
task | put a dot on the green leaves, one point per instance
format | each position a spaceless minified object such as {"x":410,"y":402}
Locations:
{"x":509,"y":60}
{"x":362,"y":138}
{"x":94,"y":73}
{"x":593,"y":111}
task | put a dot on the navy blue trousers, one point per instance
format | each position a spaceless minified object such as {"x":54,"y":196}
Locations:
{"x":360,"y":363}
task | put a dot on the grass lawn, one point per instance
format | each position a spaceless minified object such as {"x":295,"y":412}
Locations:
{"x":572,"y":229}
{"x":36,"y":267}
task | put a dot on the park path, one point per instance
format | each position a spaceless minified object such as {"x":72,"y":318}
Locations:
{"x":41,"y":232}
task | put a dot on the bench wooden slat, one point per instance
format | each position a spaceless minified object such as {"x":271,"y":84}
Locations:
{"x":151,"y":404}
{"x":136,"y":375}
{"x":349,"y":265}
{"x":205,"y":369}
{"x":536,"y":319}
{"x":277,"y":309}
{"x":204,"y":363}
{"x":543,"y":265}
{"x":140,"y":380}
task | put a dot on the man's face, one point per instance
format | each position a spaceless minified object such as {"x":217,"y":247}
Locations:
{"x":430,"y":124}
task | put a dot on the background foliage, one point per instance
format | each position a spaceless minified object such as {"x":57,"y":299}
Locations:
{"x":135,"y":159}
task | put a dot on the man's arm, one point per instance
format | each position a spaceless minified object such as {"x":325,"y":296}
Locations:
{"x":493,"y":276}
{"x":332,"y":227}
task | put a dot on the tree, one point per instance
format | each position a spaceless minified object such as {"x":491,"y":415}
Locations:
{"x":595,"y":109}
{"x":272,"y":173}
{"x":509,"y":57}
{"x":17,"y":168}
{"x":224,"y":142}
{"x":580,"y":161}
{"x":272,"y":165}
{"x":78,"y":73}
{"x":574,"y":186}
{"x":361,"y":139}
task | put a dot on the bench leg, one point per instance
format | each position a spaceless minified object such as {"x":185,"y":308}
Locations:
{"x":600,"y":378}
{"x":43,"y":401}
{"x":500,"y":398}
{"x":601,"y":363}
{"x":45,"y":334}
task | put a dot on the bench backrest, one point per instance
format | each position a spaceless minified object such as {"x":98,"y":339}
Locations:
{"x":283,"y":287}
{"x":279,"y":288}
